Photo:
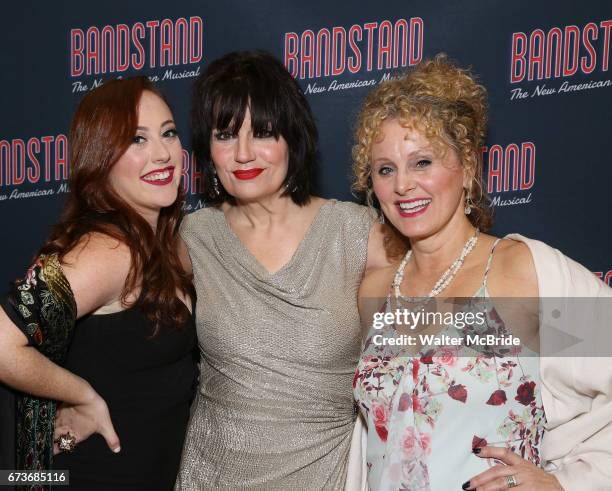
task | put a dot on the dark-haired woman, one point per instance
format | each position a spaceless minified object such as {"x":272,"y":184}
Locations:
{"x":276,"y":271}
{"x":102,"y":322}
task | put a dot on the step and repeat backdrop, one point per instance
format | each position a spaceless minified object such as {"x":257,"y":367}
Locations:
{"x":546,"y":66}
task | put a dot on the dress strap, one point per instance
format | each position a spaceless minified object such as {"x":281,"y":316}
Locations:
{"x":489,"y":261}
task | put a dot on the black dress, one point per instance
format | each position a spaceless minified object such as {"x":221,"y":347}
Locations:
{"x":148,"y":384}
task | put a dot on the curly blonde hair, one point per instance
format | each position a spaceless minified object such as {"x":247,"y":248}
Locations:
{"x":448,"y":105}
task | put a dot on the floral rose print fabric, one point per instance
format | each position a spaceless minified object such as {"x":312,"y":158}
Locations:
{"x":427,"y":411}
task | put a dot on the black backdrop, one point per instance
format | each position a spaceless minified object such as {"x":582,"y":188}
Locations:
{"x":546,"y":66}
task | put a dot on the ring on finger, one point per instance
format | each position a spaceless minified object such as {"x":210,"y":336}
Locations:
{"x":66,"y":442}
{"x":511,"y":481}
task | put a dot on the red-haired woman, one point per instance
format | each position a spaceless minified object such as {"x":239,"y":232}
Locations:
{"x":102,"y":320}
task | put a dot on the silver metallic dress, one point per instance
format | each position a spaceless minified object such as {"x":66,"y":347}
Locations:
{"x":274,"y":410}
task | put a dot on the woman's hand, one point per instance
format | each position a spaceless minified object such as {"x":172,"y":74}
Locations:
{"x":83,"y":420}
{"x":527,"y":476}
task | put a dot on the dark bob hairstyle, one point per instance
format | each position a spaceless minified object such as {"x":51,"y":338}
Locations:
{"x":257,"y":81}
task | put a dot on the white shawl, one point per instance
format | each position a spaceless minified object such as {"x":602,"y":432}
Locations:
{"x":576,"y":391}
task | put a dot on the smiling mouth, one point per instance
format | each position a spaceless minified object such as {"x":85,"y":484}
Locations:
{"x":159,"y":177}
{"x":412,"y":208}
{"x":247,"y":174}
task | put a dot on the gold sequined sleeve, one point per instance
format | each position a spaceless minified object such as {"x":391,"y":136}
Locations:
{"x":43,"y":307}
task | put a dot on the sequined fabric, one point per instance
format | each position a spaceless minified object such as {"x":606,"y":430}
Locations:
{"x":42,"y":306}
{"x":275,"y":408}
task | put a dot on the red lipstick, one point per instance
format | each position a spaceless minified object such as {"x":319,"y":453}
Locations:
{"x":160,"y":182}
{"x":247,"y":174}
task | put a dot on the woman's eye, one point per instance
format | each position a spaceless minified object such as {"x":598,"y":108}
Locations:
{"x":263,"y":134}
{"x":385,"y":170}
{"x":138,"y":139}
{"x":171,"y":133}
{"x":423,"y":163}
{"x":223,"y":135}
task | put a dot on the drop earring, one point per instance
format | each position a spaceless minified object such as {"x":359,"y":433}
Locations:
{"x":468,"y":205}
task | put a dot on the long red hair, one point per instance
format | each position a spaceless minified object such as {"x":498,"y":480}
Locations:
{"x":102,"y":129}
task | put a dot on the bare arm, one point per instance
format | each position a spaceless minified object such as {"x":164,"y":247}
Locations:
{"x":24,"y":368}
{"x":96,"y":271}
{"x":377,"y":256}
{"x":513,"y":284}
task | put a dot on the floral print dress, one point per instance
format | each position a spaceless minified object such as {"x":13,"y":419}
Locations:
{"x":426,"y":412}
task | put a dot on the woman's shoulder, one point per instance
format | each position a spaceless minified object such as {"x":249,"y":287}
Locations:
{"x":99,"y":249}
{"x":199,"y":219}
{"x":515,"y":256}
{"x":348,"y":207}
{"x":351,"y":213}
{"x":202,"y":213}
{"x":557,"y":274}
{"x":513,"y":269}
{"x":96,"y":269}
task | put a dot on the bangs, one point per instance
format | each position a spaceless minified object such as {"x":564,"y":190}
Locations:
{"x":233,"y":100}
{"x":257,"y":82}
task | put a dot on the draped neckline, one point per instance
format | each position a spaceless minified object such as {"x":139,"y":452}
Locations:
{"x":239,"y":250}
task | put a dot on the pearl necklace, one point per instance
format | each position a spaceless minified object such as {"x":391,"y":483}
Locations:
{"x":446,"y":277}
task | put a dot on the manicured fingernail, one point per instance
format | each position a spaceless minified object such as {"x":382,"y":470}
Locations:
{"x":477,"y":450}
{"x":465,"y":485}
{"x":117,"y":450}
